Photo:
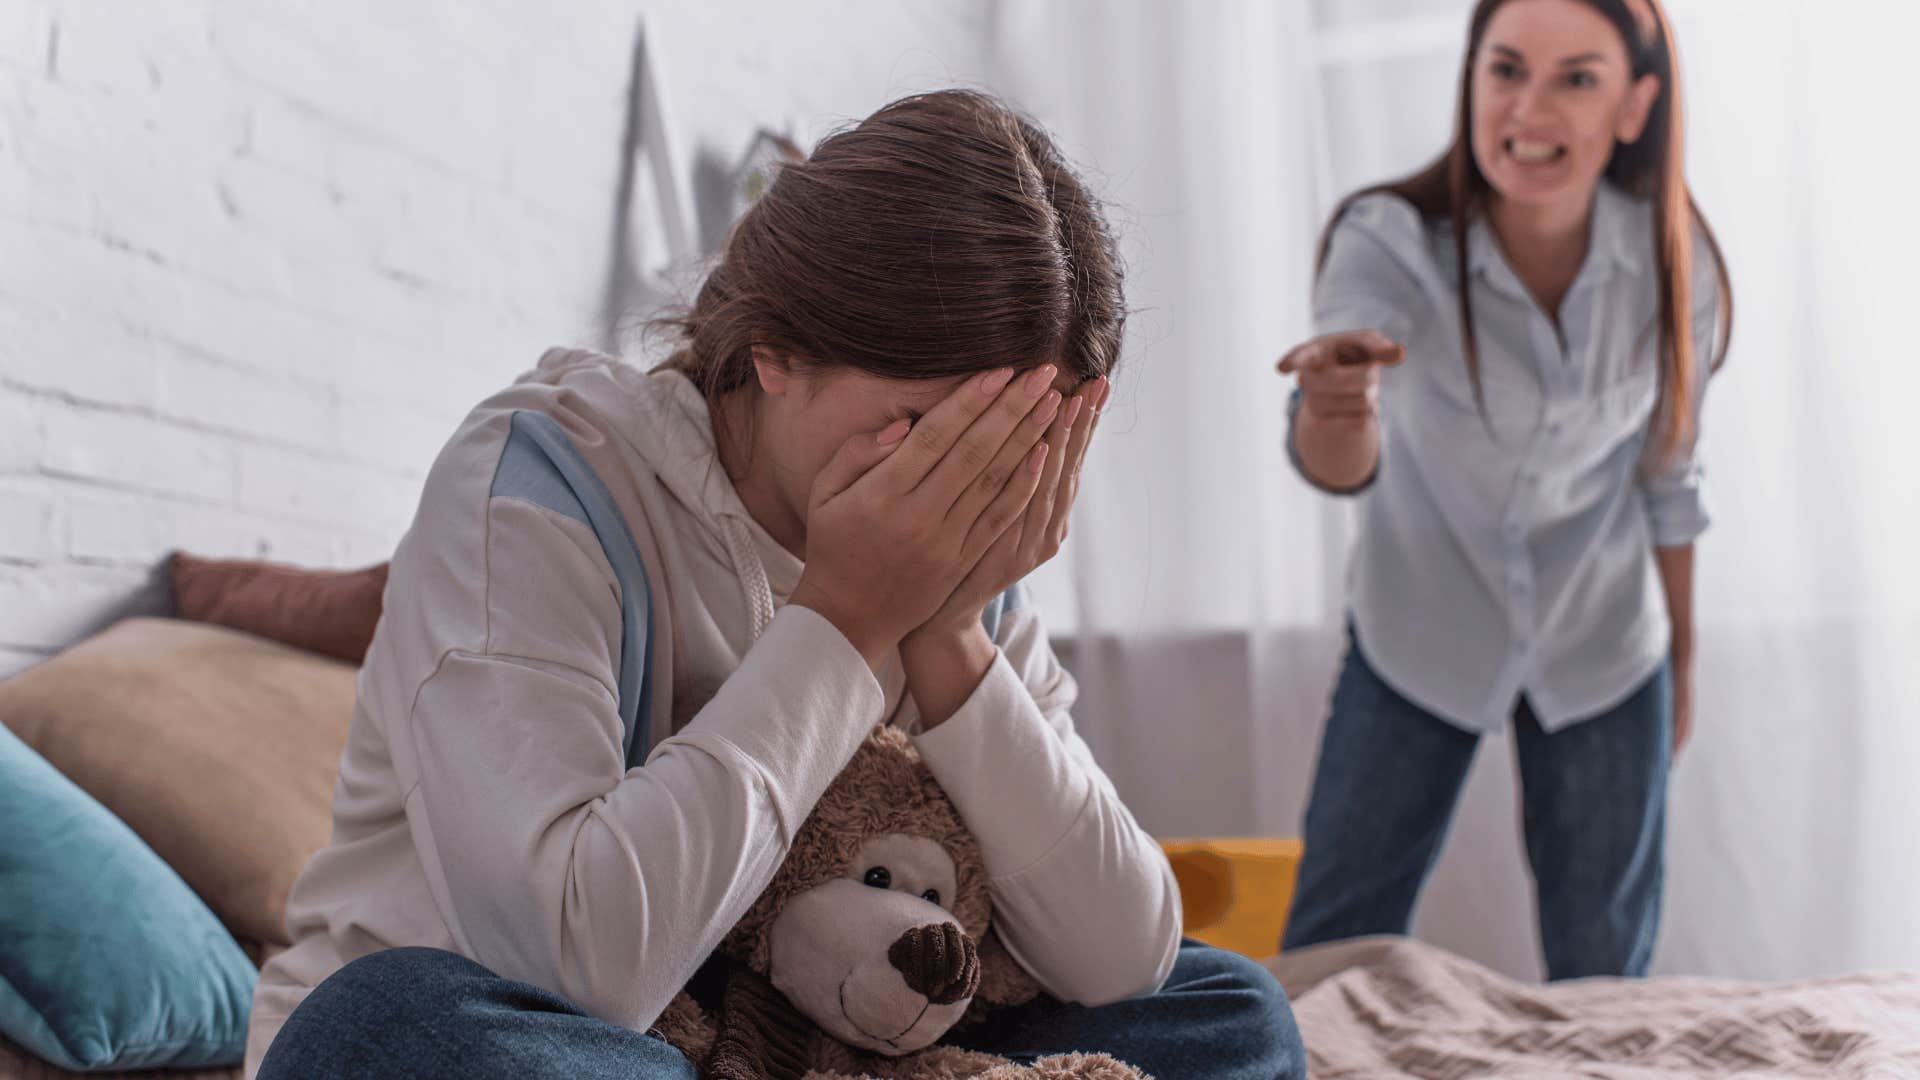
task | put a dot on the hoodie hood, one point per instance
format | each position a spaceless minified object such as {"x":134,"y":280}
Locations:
{"x":669,"y":426}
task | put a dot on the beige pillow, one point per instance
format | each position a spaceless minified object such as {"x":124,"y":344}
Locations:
{"x":219,"y":748}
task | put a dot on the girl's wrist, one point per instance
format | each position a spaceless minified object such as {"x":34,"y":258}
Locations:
{"x":869,"y":640}
{"x":947,"y":637}
{"x":944,"y":665}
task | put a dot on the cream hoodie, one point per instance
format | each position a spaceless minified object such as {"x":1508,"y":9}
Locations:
{"x":581,"y":577}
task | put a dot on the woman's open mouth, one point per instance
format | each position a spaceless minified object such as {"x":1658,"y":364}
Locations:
{"x":1535,"y":151}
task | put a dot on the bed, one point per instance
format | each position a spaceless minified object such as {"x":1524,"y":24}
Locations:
{"x":275,"y":718}
{"x":1377,"y":1007}
{"x":1392,"y":1007}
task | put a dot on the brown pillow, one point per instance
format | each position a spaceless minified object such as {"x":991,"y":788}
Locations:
{"x":218,"y":748}
{"x":331,"y":612}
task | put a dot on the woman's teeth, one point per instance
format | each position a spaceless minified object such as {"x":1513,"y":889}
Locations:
{"x":1529,"y":152}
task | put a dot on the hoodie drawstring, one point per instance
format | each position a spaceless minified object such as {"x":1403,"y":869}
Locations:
{"x":752,"y":571}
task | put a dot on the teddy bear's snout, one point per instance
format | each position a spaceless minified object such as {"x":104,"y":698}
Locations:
{"x":938,"y":960}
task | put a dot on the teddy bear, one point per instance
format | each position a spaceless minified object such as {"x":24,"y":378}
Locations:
{"x":873,"y":940}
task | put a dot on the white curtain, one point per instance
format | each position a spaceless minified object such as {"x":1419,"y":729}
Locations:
{"x":1193,"y":549}
{"x":1796,"y":835}
{"x":1200,"y":595}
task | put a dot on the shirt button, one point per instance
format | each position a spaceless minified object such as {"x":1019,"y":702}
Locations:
{"x":1553,"y":428}
{"x":1513,"y":529}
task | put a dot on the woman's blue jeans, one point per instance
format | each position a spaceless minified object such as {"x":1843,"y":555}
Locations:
{"x":1594,"y":798}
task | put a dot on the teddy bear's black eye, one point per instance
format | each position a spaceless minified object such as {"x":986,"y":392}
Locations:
{"x":879,"y":878}
{"x":931,"y":896}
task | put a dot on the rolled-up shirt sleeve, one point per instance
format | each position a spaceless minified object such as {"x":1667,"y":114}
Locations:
{"x":1673,"y":491}
{"x":1676,"y":509}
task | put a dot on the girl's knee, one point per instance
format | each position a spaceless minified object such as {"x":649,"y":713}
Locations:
{"x":361,"y":1010}
{"x":1266,"y":1016}
{"x":405,"y":967}
{"x":1206,"y":967}
{"x":391,"y":986}
{"x":1245,"y":990}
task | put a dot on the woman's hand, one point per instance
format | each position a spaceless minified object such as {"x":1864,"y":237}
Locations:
{"x":1682,"y":706}
{"x":899,"y":518}
{"x":1676,"y":583}
{"x":1340,"y":375}
{"x":946,"y":656}
{"x":1337,"y":432}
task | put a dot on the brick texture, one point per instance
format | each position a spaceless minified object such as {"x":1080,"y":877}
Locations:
{"x":257,"y":257}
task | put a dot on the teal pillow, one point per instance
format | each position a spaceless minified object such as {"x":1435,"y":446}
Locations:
{"x":107,"y":959}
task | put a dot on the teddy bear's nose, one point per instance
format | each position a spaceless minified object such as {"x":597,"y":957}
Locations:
{"x":938,"y":960}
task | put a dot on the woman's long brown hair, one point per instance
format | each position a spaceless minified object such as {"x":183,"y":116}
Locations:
{"x":1653,"y":168}
{"x":942,"y":235}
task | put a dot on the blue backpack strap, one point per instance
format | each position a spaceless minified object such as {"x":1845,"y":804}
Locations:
{"x":540,"y":465}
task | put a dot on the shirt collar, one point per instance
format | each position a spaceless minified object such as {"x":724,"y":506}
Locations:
{"x":1614,"y":238}
{"x":1615,"y":226}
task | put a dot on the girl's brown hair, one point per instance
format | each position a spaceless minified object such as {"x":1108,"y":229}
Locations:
{"x":940,"y":236}
{"x":1454,"y":189}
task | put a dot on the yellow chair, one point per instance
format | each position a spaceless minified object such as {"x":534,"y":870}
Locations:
{"x":1236,"y":891}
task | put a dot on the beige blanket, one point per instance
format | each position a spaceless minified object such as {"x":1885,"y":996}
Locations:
{"x":1381,"y":1007}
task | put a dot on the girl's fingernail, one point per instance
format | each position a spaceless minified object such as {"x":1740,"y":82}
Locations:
{"x":895,"y":431}
{"x":1073,"y":409}
{"x":1048,"y":406}
{"x":995,"y":381}
{"x":1039,"y":379}
{"x":1038,"y":457}
{"x":1105,"y":392}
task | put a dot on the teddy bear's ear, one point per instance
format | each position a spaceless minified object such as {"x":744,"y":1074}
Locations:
{"x":1003,"y":982}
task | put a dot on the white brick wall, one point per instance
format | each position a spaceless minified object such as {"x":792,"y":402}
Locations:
{"x":257,"y":257}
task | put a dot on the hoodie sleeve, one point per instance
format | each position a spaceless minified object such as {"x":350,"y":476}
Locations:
{"x":1083,"y":897}
{"x":551,"y":862}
